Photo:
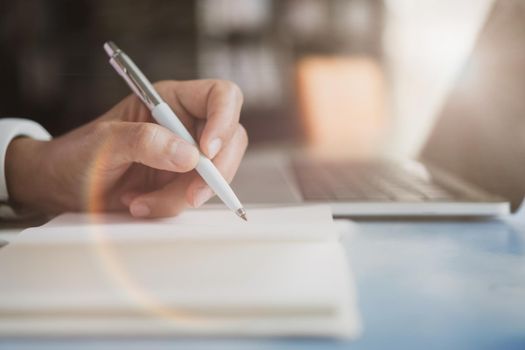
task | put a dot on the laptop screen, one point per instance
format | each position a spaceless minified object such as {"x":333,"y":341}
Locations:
{"x":480,"y":133}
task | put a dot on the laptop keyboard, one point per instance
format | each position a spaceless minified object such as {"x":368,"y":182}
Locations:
{"x":360,"y":181}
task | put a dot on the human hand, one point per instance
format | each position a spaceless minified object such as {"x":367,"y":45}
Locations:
{"x":124,"y":160}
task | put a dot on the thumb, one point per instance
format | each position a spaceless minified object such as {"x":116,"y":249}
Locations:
{"x":152,"y":145}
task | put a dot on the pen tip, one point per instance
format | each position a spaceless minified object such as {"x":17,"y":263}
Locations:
{"x":241,"y":213}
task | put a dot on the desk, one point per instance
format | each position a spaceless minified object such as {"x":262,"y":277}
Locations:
{"x":422,"y":285}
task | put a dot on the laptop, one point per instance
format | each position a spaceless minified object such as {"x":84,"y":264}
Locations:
{"x":473,"y":163}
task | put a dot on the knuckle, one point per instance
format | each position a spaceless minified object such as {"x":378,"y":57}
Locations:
{"x":229,"y":87}
{"x":143,"y":133}
{"x":142,"y":136}
{"x":243,"y":135}
{"x":103,"y":132}
{"x":170,"y":144}
{"x":162,"y":84}
{"x":235,"y":90}
{"x":102,"y":128}
{"x":165,"y":87}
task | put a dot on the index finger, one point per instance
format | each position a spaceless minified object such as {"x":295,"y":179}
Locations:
{"x":217,"y":101}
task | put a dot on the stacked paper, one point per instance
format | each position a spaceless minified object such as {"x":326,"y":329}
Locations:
{"x":202,"y":273}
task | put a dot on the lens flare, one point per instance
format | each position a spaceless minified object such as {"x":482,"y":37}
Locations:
{"x":105,"y":250}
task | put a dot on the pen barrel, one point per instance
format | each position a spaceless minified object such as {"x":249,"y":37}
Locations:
{"x":217,"y":183}
{"x":164,"y":115}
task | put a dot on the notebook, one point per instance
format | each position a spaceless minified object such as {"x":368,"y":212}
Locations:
{"x":205,"y":272}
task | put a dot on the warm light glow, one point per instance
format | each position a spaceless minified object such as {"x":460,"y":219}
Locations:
{"x":341,"y":101}
{"x":425,"y":44}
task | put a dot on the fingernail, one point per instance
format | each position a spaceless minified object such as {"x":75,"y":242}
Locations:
{"x":214,"y":147}
{"x":201,"y":195}
{"x":183,"y":153}
{"x":139,"y":210}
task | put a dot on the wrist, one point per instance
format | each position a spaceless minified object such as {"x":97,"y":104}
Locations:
{"x":24,"y":172}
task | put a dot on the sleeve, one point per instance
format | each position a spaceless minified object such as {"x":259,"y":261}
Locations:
{"x":11,"y":128}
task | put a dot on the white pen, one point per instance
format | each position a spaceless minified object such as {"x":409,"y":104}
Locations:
{"x":165,"y":116}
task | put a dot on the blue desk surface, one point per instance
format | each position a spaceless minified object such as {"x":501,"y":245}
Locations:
{"x":422,"y":285}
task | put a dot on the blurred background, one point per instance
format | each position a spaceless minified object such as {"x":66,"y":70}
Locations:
{"x":346,"y":78}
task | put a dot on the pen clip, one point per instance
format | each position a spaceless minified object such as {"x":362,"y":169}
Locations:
{"x":133,"y":76}
{"x":132,"y":83}
{"x":143,"y":95}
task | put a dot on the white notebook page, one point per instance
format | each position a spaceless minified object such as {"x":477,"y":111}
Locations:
{"x":275,"y":224}
{"x":204,"y":272}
